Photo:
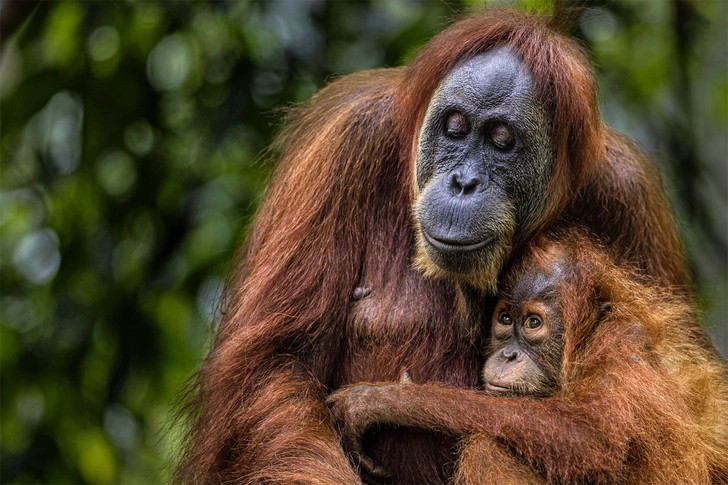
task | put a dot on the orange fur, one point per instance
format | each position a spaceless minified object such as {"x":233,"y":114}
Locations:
{"x":641,"y":398}
{"x":337,"y":216}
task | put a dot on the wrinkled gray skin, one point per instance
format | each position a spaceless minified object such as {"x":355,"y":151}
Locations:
{"x":475,"y":199}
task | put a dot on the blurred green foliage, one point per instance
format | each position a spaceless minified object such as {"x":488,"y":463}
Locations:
{"x":130,"y":142}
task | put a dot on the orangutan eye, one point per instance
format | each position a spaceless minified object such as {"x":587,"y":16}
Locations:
{"x":533,"y":323}
{"x":456,"y":125}
{"x":502,"y":137}
{"x":505,"y":319}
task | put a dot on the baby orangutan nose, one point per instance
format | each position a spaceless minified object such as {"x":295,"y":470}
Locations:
{"x":511,"y":355}
{"x":504,"y":370}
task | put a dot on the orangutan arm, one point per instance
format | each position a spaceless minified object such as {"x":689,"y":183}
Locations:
{"x":569,"y":439}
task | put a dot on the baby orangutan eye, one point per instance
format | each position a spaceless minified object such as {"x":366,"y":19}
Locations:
{"x":505,"y":319}
{"x":533,"y":322}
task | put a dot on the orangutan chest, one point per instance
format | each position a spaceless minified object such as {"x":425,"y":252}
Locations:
{"x":387,"y":336}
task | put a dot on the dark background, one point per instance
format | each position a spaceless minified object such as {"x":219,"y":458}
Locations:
{"x":130,"y":144}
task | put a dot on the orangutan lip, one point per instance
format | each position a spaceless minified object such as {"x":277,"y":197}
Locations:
{"x":493,"y":387}
{"x":453,"y":247}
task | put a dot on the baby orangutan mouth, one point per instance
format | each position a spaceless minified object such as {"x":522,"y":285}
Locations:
{"x":494,"y":387}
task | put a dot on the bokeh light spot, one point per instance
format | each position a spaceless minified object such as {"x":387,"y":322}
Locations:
{"x":169,"y":63}
{"x":37,"y":256}
{"x":103,"y":43}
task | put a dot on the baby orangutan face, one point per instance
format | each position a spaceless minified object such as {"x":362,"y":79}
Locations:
{"x":526,"y":345}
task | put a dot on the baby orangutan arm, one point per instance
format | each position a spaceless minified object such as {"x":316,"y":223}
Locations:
{"x":551,"y":432}
{"x":577,"y":390}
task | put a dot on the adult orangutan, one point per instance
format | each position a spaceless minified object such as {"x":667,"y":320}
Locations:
{"x":492,"y":133}
{"x":592,"y":377}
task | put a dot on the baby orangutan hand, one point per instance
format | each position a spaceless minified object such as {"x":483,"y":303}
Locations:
{"x":354,"y":409}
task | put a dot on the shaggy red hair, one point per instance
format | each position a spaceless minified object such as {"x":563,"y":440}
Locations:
{"x":337,"y":216}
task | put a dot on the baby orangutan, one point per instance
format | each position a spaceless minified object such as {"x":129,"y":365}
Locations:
{"x":592,"y":377}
